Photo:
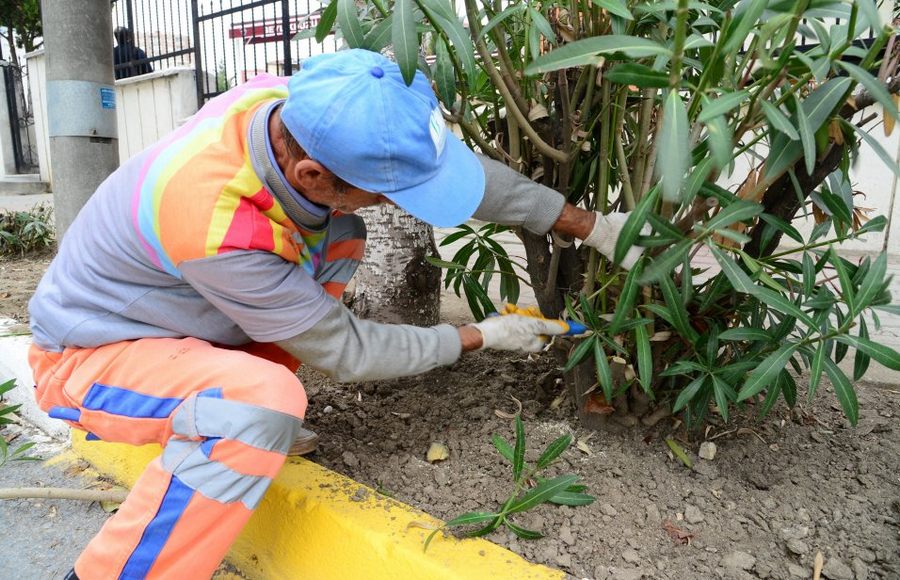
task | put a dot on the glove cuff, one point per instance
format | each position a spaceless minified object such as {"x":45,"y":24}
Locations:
{"x":602,"y":236}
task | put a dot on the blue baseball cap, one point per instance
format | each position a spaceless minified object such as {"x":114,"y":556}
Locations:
{"x":352,"y":112}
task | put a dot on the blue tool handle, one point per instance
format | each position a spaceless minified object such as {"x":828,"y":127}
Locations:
{"x":575,"y":327}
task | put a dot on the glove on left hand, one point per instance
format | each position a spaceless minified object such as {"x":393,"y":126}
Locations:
{"x":605,"y":234}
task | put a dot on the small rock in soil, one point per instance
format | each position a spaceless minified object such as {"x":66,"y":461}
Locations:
{"x":707,"y":450}
{"x":797,"y":547}
{"x":629,"y":574}
{"x":631,"y":557}
{"x":609,"y":510}
{"x":693,"y":515}
{"x":564,"y":560}
{"x":860,"y":570}
{"x":835,"y":569}
{"x":737,"y":561}
{"x":565,"y":534}
{"x":328,"y":409}
{"x":653,"y":516}
{"x":441,"y":477}
{"x":797,"y":571}
{"x":350,"y":459}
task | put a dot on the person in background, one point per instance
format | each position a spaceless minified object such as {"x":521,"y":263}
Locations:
{"x":129,"y":60}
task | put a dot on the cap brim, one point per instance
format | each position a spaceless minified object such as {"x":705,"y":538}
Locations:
{"x":452,"y":195}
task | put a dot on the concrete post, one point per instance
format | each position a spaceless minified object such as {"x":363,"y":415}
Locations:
{"x":80,"y":101}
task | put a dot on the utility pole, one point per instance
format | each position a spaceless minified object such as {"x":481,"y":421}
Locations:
{"x":81,"y":102}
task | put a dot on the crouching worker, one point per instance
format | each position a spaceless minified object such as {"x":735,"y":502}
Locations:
{"x":204,"y":269}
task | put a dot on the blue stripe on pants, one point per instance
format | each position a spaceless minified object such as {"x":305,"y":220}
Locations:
{"x":127,"y":403}
{"x":158,"y":530}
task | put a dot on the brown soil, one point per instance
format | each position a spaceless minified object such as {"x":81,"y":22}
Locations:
{"x":779,"y":491}
{"x":19,"y":276}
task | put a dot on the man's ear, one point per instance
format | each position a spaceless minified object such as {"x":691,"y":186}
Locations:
{"x":309,"y":176}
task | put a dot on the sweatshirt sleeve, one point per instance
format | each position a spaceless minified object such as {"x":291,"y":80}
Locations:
{"x":512,"y":199}
{"x":348,"y":349}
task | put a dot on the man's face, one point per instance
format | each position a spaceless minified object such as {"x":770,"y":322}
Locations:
{"x":344,"y":199}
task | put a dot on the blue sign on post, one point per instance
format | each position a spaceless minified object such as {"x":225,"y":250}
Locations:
{"x":108,"y":98}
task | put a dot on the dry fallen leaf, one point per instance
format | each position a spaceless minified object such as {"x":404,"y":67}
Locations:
{"x":110,"y":506}
{"x":437,"y":452}
{"x":596,"y":403}
{"x":402,"y":415}
{"x":677,"y":534}
{"x":423,"y":525}
{"x":583,"y":447}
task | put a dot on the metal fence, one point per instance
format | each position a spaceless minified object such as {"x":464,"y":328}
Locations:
{"x":225,"y":41}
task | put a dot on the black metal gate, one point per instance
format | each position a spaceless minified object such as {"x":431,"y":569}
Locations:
{"x":226,"y":41}
{"x":21,"y":119}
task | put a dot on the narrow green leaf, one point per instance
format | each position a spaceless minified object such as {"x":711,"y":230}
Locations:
{"x":742,"y":283}
{"x":689,"y":392}
{"x":523,"y":533}
{"x":745,"y":19}
{"x":571,"y":498}
{"x":639,"y":75}
{"x":870,"y":12}
{"x":380,"y":35}
{"x":843,"y":389}
{"x":443,"y":263}
{"x":348,"y":20}
{"x":807,"y":138}
{"x":677,"y":310}
{"x":632,"y":228}
{"x":445,"y":80}
{"x":554,"y":450}
{"x":663,"y":264}
{"x":875,"y":87}
{"x":746,"y":333}
{"x":809,"y":275}
{"x":644,"y":358}
{"x":880,"y":352}
{"x":616,"y":7}
{"x":469,"y":518}
{"x":847,"y":292}
{"x":817,"y":108}
{"x":875,"y":146}
{"x":736,"y":212}
{"x":496,"y":20}
{"x":724,"y":395}
{"x":326,"y":22}
{"x":542,"y":25}
{"x":861,"y":360}
{"x":679,"y":452}
{"x":444,"y":19}
{"x":626,"y":302}
{"x":779,"y":120}
{"x":721,"y":105}
{"x":588,"y":51}
{"x":578,"y":355}
{"x":604,"y":373}
{"x":673,"y":147}
{"x":519,"y":451}
{"x":544,"y":491}
{"x":764,"y":375}
{"x":503,"y":447}
{"x":721,"y":141}
{"x":772,"y":394}
{"x":871,"y":284}
{"x":405,"y":39}
{"x":782,"y":225}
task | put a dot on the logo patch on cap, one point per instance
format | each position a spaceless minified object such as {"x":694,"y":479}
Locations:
{"x":438,"y":130}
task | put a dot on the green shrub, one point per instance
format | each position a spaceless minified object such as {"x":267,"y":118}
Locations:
{"x":22,"y":232}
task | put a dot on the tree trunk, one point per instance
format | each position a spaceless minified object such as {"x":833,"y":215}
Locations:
{"x":394,"y":283}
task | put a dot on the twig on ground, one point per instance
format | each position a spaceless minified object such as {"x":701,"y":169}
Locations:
{"x":113,"y":495}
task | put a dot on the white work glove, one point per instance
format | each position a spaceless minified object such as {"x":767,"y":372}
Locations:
{"x":606,"y":232}
{"x":517,"y":332}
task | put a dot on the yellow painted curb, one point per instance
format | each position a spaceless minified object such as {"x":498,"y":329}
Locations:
{"x":318,"y":525}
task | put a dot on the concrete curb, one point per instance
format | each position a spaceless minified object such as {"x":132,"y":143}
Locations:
{"x":14,"y":365}
{"x":316,"y":524}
